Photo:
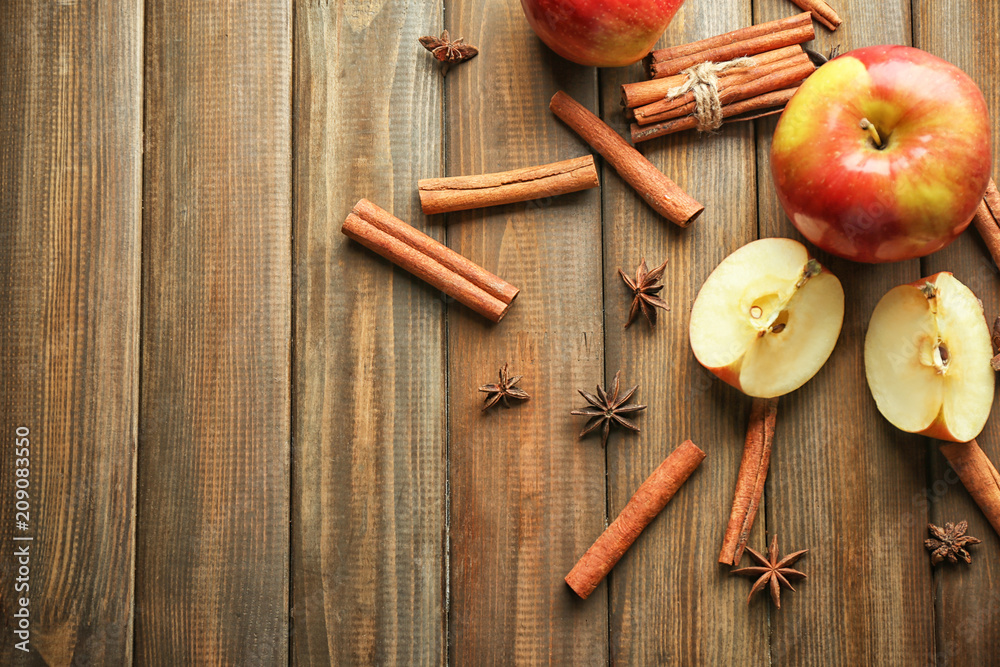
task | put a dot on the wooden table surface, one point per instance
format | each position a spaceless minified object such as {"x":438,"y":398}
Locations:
{"x":255,"y":442}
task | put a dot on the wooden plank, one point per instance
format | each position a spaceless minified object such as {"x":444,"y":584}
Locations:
{"x":213,"y":511}
{"x":527,"y":498}
{"x":967,"y":597}
{"x":70,"y":201}
{"x":670,"y":602}
{"x":844,"y":483}
{"x":368,"y":531}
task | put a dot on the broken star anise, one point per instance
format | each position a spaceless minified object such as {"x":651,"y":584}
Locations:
{"x":950,"y":542}
{"x":447,"y":51}
{"x":644,"y":290}
{"x":607,"y":409}
{"x":772,"y":571}
{"x":504,"y":389}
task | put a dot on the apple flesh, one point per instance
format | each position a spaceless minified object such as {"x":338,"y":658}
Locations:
{"x":927,"y":358}
{"x":909,"y":196}
{"x":767,"y":318}
{"x":601,"y":33}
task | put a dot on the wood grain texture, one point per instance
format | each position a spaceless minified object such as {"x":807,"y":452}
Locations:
{"x":967,"y":599}
{"x":213,"y":510}
{"x":70,"y":189}
{"x":315,"y":482}
{"x":527,"y":498}
{"x":368,"y":532}
{"x":671,"y":603}
{"x":844,"y":483}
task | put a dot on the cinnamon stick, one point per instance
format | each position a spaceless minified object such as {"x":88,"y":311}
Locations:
{"x":774,"y":100}
{"x":649,"y":499}
{"x":740,"y":35}
{"x":641,"y":93}
{"x":652,"y":185}
{"x":750,"y":482}
{"x":987,"y":220}
{"x":437,"y":264}
{"x":753,"y":115}
{"x":460,"y":193}
{"x":753,"y":82}
{"x":749,"y":47}
{"x":978,"y":475}
{"x":821,"y":11}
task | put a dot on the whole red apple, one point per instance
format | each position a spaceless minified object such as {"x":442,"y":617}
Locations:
{"x":883,"y":154}
{"x":603,"y":33}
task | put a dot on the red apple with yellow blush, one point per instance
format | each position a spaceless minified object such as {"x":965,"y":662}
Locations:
{"x":602,"y":33}
{"x":883,"y":154}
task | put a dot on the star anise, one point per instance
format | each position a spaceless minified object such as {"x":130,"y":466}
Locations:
{"x":772,"y":571}
{"x":504,"y":389}
{"x":645,"y":288}
{"x":950,"y":542}
{"x":821,"y":59}
{"x":447,"y":51}
{"x":607,"y":409}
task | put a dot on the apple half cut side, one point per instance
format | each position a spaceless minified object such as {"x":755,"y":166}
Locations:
{"x":927,"y":358}
{"x":767,"y":318}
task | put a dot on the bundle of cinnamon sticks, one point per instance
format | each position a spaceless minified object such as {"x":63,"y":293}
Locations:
{"x":759,"y":87}
{"x":743,"y":42}
{"x":435,"y":263}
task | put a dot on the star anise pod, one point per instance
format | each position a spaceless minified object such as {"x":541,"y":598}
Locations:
{"x":607,"y":409}
{"x":772,"y":571}
{"x":821,"y":59}
{"x":645,"y":288}
{"x":447,"y":51}
{"x":950,"y":542}
{"x":504,"y":389}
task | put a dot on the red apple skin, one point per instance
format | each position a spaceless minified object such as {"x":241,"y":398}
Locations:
{"x":939,"y":431}
{"x":906,"y":200}
{"x":729,"y":374}
{"x":601,"y":33}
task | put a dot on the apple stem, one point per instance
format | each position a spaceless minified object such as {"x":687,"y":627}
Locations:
{"x":811,"y":269}
{"x":866,"y":125}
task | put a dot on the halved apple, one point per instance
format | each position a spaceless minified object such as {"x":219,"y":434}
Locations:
{"x":768,"y":317}
{"x":927,"y":358}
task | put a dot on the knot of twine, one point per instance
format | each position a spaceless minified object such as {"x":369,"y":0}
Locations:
{"x":703,"y":82}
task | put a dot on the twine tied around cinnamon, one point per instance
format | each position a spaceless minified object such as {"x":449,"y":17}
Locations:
{"x":703,"y":82}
